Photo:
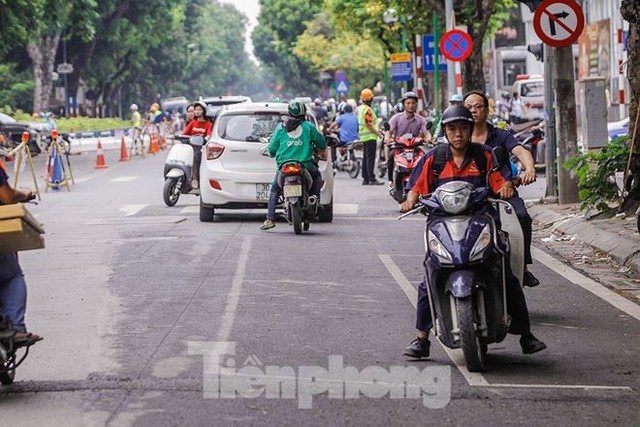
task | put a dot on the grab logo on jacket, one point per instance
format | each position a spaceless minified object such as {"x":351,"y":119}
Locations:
{"x":296,"y":142}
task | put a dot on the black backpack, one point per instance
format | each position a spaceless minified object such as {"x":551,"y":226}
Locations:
{"x":440,"y":158}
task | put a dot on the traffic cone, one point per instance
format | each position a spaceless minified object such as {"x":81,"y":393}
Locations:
{"x":55,"y":169}
{"x":156,"y":147}
{"x":164,"y":145}
{"x":152,"y":138}
{"x":124,"y":155}
{"x":100,"y":163}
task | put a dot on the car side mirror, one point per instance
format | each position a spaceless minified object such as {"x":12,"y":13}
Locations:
{"x":500,"y":157}
{"x":197,"y":140}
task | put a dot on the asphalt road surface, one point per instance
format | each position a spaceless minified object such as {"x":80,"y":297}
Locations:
{"x":152,"y":318}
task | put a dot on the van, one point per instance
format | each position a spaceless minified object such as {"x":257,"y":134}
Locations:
{"x":531,"y":92}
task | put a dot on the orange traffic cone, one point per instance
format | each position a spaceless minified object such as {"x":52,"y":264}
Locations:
{"x":152,"y":138}
{"x":163,"y":142}
{"x":124,"y":155}
{"x":100,"y":163}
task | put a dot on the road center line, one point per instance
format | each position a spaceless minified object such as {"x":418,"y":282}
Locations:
{"x":585,"y":283}
{"x":229,"y":315}
{"x":475,"y":379}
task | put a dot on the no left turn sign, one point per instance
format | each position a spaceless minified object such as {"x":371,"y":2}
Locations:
{"x":558,"y":22}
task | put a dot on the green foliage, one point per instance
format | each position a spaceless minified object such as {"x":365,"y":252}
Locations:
{"x":596,"y":172}
{"x":16,"y":88}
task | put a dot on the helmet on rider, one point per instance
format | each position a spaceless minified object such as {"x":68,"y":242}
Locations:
{"x":202,"y":105}
{"x":455,"y":100}
{"x":133,"y":107}
{"x":296,"y":108}
{"x":408,"y":95}
{"x":317,"y":101}
{"x":366,"y":94}
{"x":457,"y":113}
{"x":347,"y":108}
{"x":399,"y":107}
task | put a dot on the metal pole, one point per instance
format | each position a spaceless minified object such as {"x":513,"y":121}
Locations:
{"x":566,"y":123}
{"x":436,"y":65}
{"x":403,"y":21}
{"x":386,"y":81}
{"x":66,"y":86}
{"x":550,"y":123}
{"x":451,"y":72}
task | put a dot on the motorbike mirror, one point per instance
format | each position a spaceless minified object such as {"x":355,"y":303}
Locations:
{"x":500,"y":157}
{"x":429,"y":125}
{"x":386,"y":126}
{"x":197,"y":140}
{"x":332,"y":141}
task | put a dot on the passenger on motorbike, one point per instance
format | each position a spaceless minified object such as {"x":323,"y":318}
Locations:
{"x":485,"y":133}
{"x":404,"y":123}
{"x":320,"y":113}
{"x":347,"y":125}
{"x":200,"y":125}
{"x":13,"y":288}
{"x":460,"y":165}
{"x":295,"y":139}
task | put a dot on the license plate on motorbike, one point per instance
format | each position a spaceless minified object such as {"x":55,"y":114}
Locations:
{"x":262,"y":191}
{"x":292,"y":191}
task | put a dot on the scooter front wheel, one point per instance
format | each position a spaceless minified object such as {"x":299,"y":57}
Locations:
{"x":474,"y":352}
{"x":171,"y":191}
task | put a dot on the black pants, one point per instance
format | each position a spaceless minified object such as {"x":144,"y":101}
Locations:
{"x":391,"y":164}
{"x":516,"y":307}
{"x":526,"y":224}
{"x":369,"y":160}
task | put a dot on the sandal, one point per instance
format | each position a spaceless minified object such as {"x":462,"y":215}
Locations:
{"x":26,"y":337}
{"x":268,"y":225}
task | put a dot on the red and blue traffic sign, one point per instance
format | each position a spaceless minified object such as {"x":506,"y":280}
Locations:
{"x":456,"y":45}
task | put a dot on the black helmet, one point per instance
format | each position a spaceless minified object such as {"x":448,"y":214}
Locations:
{"x":408,"y":95}
{"x":347,"y":108}
{"x":457,"y":113}
{"x":399,"y":107}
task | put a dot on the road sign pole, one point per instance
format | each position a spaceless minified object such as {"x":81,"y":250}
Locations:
{"x":403,"y":22}
{"x":566,"y":123}
{"x":386,"y":78}
{"x":451,"y":72}
{"x":436,"y":66}
{"x":66,"y":85}
{"x":550,"y":123}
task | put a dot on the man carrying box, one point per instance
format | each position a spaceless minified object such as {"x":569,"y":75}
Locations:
{"x":13,"y":288}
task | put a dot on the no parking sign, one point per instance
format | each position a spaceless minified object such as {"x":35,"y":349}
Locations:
{"x":456,"y":45}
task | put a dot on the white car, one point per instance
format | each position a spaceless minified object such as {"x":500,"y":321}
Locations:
{"x":235,"y":174}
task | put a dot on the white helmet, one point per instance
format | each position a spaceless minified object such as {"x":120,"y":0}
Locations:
{"x":133,"y":107}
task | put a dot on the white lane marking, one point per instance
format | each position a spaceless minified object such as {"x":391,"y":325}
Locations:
{"x":228,"y":317}
{"x":585,"y":283}
{"x":124,"y":179}
{"x":473,"y":378}
{"x":130,"y":210}
{"x":193,"y":209}
{"x":345,"y":209}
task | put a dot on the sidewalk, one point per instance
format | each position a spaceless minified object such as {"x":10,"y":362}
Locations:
{"x":618,"y":237}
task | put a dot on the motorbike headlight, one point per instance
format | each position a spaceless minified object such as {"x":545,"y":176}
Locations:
{"x":481,"y":244}
{"x":454,"y":200}
{"x":436,"y":246}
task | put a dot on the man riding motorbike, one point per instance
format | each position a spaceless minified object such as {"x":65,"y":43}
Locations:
{"x":485,"y":133}
{"x":404,"y":123}
{"x":347,"y":124}
{"x":295,"y":139}
{"x":200,"y":125}
{"x":461,"y":165}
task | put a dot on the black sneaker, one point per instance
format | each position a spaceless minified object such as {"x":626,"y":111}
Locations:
{"x":376,"y":182}
{"x":418,"y":349}
{"x":529,"y":279}
{"x":365,"y":182}
{"x":531,"y":344}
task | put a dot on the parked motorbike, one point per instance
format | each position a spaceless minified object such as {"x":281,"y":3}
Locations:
{"x":469,"y":260}
{"x":346,"y":159}
{"x":407,"y":153}
{"x":178,"y":168}
{"x":299,"y":206}
{"x":529,"y":138}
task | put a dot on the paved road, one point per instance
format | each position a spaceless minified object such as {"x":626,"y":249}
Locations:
{"x":130,"y":294}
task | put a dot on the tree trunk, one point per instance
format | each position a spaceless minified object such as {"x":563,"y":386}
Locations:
{"x":630,"y":11}
{"x":43,"y":55}
{"x":473,"y":67}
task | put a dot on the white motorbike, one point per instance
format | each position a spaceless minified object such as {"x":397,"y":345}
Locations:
{"x":178,"y":168}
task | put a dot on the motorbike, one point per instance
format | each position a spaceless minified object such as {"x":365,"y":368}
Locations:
{"x":407,"y":153}
{"x":178,"y":168}
{"x":529,"y":138}
{"x":299,"y":207}
{"x":346,"y":159}
{"x":10,"y":357}
{"x":468,"y":261}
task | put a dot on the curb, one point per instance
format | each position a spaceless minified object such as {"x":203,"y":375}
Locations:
{"x":624,"y":250}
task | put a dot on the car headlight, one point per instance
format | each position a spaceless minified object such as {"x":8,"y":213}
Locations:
{"x":481,"y":244}
{"x":454,"y":199}
{"x":436,"y":246}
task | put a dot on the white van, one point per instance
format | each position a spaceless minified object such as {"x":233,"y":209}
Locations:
{"x":531,"y":92}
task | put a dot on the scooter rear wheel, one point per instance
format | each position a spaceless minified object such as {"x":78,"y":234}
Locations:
{"x":296,"y":218}
{"x":7,"y":377}
{"x":474,"y":352}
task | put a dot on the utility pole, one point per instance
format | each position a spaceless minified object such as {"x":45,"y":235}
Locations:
{"x":566,"y":122}
{"x":451,"y":72}
{"x":550,"y":123}
{"x":436,"y":66}
{"x":403,"y":23}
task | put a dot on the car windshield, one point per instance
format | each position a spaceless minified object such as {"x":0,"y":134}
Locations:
{"x":6,"y":119}
{"x":249,"y":127}
{"x":532,"y":89}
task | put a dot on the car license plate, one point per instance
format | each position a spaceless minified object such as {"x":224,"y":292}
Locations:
{"x":292,"y":191}
{"x":262,"y":191}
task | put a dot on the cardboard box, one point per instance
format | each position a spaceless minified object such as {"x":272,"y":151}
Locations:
{"x":19,"y":230}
